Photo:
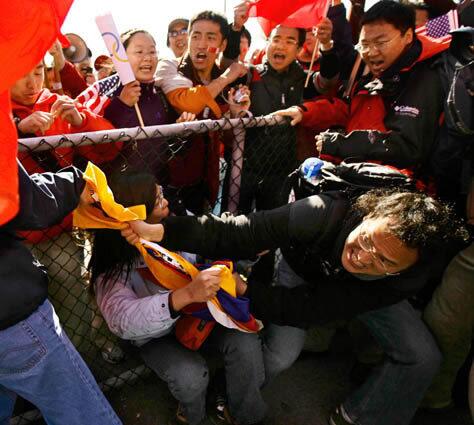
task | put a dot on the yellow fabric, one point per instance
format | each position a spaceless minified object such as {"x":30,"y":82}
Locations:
{"x":170,"y":269}
{"x":193,"y":100}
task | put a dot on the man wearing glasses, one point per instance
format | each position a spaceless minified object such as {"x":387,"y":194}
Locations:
{"x":177,"y":38}
{"x":396,"y":101}
{"x":342,"y":258}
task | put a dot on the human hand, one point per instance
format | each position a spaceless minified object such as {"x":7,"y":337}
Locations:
{"x":56,"y":51}
{"x":65,"y":108}
{"x":241,"y":12}
{"x":140,"y":229}
{"x":319,"y":143}
{"x":235,"y":70}
{"x":186,"y":116}
{"x":130,"y":93}
{"x":205,"y":285}
{"x":87,"y":195}
{"x":243,"y":105}
{"x":294,"y":112}
{"x":324,"y":33}
{"x":240,"y":284}
{"x":37,"y":122}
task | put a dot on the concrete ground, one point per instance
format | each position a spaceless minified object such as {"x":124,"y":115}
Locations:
{"x":303,"y":395}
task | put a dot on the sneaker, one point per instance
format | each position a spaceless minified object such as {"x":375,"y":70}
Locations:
{"x":339,"y":417}
{"x":113,"y":355}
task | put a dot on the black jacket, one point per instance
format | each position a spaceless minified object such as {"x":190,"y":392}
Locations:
{"x":311,"y":234}
{"x":45,"y":199}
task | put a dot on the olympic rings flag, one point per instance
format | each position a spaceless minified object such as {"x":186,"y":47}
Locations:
{"x":115,"y":47}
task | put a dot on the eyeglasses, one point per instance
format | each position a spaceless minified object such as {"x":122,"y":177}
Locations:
{"x":160,"y":197}
{"x":366,"y":245}
{"x":281,"y":42}
{"x":174,"y":34}
{"x":379,"y":46}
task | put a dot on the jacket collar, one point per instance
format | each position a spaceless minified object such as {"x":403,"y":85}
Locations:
{"x":294,"y":71}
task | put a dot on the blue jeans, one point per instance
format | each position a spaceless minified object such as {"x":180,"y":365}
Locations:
{"x":392,"y":393}
{"x":187,"y":375}
{"x":39,"y":363}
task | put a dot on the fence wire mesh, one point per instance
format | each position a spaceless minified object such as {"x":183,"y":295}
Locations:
{"x":235,"y":165}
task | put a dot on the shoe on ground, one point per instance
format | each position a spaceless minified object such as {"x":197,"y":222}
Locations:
{"x":338,"y":417}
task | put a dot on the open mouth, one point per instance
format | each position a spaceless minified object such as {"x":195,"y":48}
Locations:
{"x":145,"y":68}
{"x":353,"y":260}
{"x":377,"y":66}
{"x":180,"y":44}
{"x":201,"y":57}
{"x":279,"y":57}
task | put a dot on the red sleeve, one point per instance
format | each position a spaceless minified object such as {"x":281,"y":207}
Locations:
{"x":71,"y":80}
{"x":324,"y":113}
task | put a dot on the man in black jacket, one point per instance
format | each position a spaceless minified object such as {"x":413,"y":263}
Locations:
{"x":359,"y":260}
{"x":37,"y":360}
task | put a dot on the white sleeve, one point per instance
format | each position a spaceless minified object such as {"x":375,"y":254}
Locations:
{"x":129,"y":316}
{"x":168,"y":78}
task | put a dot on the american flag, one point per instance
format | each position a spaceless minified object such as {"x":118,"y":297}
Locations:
{"x":440,"y":27}
{"x":97,"y":96}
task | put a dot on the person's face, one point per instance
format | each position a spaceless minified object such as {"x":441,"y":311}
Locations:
{"x":282,"y":48}
{"x":27,"y":89}
{"x":371,"y":249}
{"x":84,"y":68}
{"x":421,"y":17}
{"x":160,"y":211}
{"x":310,"y":40}
{"x":104,"y":72}
{"x":143,"y":57}
{"x":204,"y":44}
{"x":381,"y":44}
{"x":244,"y":47}
{"x":178,"y":37}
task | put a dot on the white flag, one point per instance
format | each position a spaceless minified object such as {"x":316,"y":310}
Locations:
{"x":115,"y":47}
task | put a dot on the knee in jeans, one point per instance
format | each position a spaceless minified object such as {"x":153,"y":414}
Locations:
{"x":423,"y":355}
{"x":190,"y":381}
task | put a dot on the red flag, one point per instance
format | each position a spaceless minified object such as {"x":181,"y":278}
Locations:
{"x":296,"y":13}
{"x":28,"y":28}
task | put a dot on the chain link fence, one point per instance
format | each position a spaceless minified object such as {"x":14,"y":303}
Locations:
{"x":235,"y":165}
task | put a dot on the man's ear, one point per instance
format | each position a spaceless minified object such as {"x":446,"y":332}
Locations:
{"x":223,"y":45}
{"x":409,"y":36}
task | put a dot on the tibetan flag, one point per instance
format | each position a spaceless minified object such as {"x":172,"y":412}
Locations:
{"x":166,"y":268}
{"x":28,"y":28}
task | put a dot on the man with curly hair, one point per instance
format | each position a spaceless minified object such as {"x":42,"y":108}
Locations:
{"x":342,"y":258}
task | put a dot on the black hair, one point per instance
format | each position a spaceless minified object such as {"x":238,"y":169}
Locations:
{"x":301,"y":34}
{"x":246,"y":34}
{"x":401,"y":16}
{"x":419,"y":221}
{"x":111,"y":254}
{"x":126,"y":37}
{"x":209,"y":15}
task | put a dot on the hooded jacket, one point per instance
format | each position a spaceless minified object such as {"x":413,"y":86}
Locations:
{"x":311,"y":234}
{"x":393,"y":119}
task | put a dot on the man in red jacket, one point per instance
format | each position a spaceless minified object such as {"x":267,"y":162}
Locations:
{"x":393,"y":109}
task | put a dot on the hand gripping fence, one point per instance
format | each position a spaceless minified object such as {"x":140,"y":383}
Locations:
{"x":251,"y":154}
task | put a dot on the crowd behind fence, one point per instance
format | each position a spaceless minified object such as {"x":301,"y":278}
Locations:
{"x":65,"y":253}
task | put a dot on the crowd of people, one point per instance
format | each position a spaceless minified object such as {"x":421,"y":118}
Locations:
{"x":399,"y":262}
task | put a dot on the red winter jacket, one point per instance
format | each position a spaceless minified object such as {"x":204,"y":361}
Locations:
{"x":393,"y":120}
{"x":61,"y":157}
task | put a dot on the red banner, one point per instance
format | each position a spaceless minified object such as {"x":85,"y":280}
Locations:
{"x":28,"y":28}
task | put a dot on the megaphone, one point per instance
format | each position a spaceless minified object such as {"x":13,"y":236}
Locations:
{"x":77,"y":51}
